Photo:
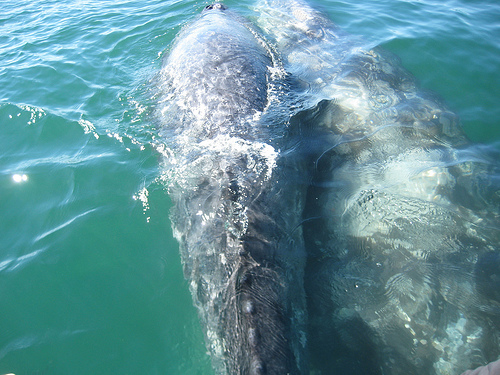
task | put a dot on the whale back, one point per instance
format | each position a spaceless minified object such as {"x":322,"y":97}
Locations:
{"x":234,"y":207}
{"x":216,"y":74}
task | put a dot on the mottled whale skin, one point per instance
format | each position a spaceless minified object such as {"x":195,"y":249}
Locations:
{"x":237,"y":200}
{"x":402,"y":221}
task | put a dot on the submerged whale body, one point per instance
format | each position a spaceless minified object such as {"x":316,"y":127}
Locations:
{"x":394,"y":243}
{"x":236,"y":212}
{"x":402,"y":218}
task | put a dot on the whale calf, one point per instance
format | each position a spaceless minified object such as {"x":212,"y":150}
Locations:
{"x":402,"y":218}
{"x":236,"y":192}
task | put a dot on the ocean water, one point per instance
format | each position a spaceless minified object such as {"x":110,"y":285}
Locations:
{"x":90,"y":276}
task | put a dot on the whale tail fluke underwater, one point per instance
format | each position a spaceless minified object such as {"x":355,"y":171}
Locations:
{"x":331,"y":215}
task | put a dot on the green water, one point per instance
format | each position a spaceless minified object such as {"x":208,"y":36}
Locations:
{"x":90,"y":276}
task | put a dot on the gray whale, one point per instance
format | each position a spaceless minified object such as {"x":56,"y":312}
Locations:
{"x":237,"y":205}
{"x":403,"y":258}
{"x":400,"y":223}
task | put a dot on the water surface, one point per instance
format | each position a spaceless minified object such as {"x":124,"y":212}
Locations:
{"x":90,"y":276}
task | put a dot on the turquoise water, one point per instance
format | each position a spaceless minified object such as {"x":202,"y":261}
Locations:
{"x":90,"y":276}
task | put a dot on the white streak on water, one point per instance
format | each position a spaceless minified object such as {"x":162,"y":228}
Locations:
{"x":63,"y":225}
{"x":22,"y":260}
